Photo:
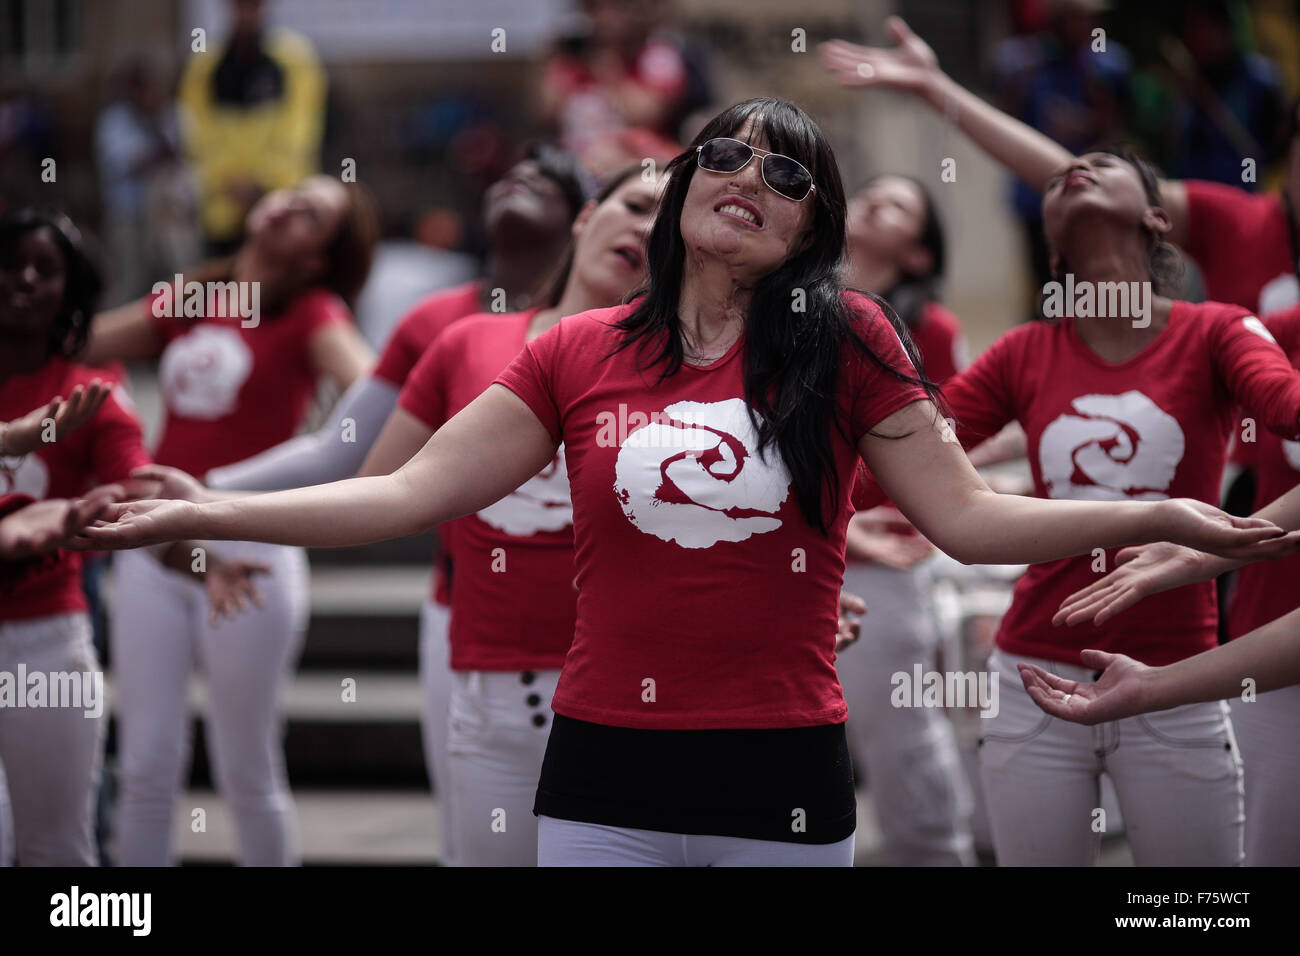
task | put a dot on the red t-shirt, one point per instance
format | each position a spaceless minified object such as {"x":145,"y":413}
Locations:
{"x":421,"y":325}
{"x":1265,"y":590}
{"x":513,"y":604}
{"x":415,"y":332}
{"x":939,"y":339}
{"x":231,"y":392}
{"x":706,"y":600}
{"x":104,"y":449}
{"x":1153,"y":427}
{"x":1240,"y":241}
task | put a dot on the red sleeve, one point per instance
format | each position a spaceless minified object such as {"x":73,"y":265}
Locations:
{"x":981,"y":400}
{"x":1285,"y":326}
{"x":1257,"y":373}
{"x":532,"y":376}
{"x":878,"y":393}
{"x":1213,"y":211}
{"x":401,"y":353}
{"x":117,"y":442}
{"x":425,"y":393}
{"x":319,"y":309}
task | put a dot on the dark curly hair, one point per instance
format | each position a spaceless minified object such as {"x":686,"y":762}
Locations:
{"x":83,"y":282}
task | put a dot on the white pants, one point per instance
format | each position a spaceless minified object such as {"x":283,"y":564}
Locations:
{"x":1177,"y":774}
{"x":1268,"y":730}
{"x":570,"y":843}
{"x":51,"y":755}
{"x":160,"y":635}
{"x":435,"y":691}
{"x":499,"y":722}
{"x":909,"y":754}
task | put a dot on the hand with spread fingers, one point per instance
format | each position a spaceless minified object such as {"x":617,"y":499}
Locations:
{"x":911,"y":65}
{"x":1121,"y":691}
{"x":24,"y":435}
{"x":231,"y":587}
{"x":45,"y":526}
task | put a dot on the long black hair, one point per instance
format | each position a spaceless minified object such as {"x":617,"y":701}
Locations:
{"x":82,"y":283}
{"x":791,"y":358}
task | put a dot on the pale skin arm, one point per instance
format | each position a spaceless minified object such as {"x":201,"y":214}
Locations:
{"x":1269,"y":656}
{"x":339,"y":353}
{"x":1141,"y":572}
{"x":932,"y":482}
{"x":487,"y":451}
{"x":912,"y":67}
{"x":122,"y":334}
{"x":403,"y":436}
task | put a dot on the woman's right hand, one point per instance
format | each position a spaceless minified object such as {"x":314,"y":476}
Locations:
{"x":910,"y":66}
{"x":136,"y":524}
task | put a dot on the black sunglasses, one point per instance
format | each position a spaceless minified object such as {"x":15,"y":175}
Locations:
{"x":783,"y":175}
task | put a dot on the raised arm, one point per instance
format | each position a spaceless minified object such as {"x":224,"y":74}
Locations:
{"x":912,"y":67}
{"x":934,"y":484}
{"x":126,"y":332}
{"x":487,"y":451}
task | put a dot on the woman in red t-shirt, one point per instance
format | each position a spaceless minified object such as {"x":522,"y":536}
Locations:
{"x":896,"y":248}
{"x":232,"y":385}
{"x":1247,"y":249}
{"x":712,"y":430}
{"x":50,"y":750}
{"x":513,"y":604}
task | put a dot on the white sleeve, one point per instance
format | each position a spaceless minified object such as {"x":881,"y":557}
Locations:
{"x":333,"y":452}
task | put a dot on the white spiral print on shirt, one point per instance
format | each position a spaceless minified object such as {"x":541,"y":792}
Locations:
{"x":24,"y":476}
{"x":1117,"y":446}
{"x":541,"y":503}
{"x":203,"y":371}
{"x":691,"y":479}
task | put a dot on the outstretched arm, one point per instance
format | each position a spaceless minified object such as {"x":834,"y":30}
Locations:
{"x":934,"y":484}
{"x":912,"y":67}
{"x":487,"y":451}
{"x":1269,"y":656}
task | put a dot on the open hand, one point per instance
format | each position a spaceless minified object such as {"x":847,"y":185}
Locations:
{"x":24,"y":435}
{"x":1120,"y":692}
{"x":911,"y":65}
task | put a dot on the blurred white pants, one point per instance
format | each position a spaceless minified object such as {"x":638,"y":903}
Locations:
{"x":435,"y":692}
{"x":1177,"y":774}
{"x":161,"y":633}
{"x":913,"y":766}
{"x":495,"y":746}
{"x":1268,"y":730}
{"x":51,"y":754}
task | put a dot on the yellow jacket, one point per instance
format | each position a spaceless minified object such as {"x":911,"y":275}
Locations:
{"x":275,"y":144}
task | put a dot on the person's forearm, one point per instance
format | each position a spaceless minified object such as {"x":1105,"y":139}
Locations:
{"x":333,"y":452}
{"x":339,"y":514}
{"x":1019,"y":147}
{"x":991,"y":528}
{"x":1269,"y":656}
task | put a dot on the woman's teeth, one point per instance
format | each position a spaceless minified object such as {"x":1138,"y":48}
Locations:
{"x":741,"y":212}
